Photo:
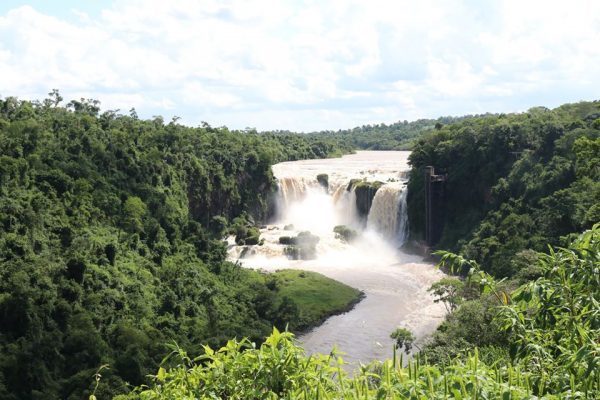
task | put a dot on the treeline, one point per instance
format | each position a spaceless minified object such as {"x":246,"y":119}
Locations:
{"x":514,"y":182}
{"x":111,"y":244}
{"x":400,"y":135}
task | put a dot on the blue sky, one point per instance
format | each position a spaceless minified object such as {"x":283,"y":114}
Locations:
{"x":303,"y":65}
{"x":58,"y":8}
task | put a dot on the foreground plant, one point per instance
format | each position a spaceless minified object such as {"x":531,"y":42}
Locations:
{"x":553,"y":323}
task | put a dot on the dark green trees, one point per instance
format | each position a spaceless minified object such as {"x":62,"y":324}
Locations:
{"x":111,"y":233}
{"x":515,"y":181}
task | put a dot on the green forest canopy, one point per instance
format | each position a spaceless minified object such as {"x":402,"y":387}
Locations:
{"x":111,"y":230}
{"x":110,"y":242}
{"x":515,"y":181}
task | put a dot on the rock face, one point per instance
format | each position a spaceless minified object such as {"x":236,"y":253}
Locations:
{"x":247,"y":235}
{"x":301,"y":247}
{"x":344,"y":233}
{"x":323,"y":180}
{"x":365,"y":192}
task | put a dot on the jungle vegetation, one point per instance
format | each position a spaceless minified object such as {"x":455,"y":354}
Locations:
{"x":515,"y":182}
{"x":399,"y":135}
{"x":112,"y":253}
{"x":552,"y":323}
{"x":111,"y":245}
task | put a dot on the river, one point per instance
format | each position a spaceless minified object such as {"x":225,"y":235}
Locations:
{"x":395,"y":283}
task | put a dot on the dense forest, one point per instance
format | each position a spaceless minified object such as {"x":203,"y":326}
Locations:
{"x":111,"y":253}
{"x":514,"y":182}
{"x":110,"y":242}
{"x":399,"y":135}
{"x":515,"y":185}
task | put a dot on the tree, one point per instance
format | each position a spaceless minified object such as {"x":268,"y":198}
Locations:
{"x":448,"y":291}
{"x":404,"y":339}
{"x":55,"y":98}
{"x":134,"y":210}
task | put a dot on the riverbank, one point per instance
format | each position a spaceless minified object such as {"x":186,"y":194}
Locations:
{"x":310,"y":298}
{"x":394,"y":283}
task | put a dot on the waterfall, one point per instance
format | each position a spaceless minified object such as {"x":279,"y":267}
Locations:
{"x":402,"y":230}
{"x":339,"y":192}
{"x":345,"y":206}
{"x":293,"y":189}
{"x":376,"y":214}
{"x":371,"y":260}
{"x":304,"y":203}
{"x":387,"y":215}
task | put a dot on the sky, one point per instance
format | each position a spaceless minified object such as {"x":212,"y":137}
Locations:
{"x":303,"y":65}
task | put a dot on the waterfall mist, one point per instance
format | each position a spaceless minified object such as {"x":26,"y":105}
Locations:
{"x":395,"y":283}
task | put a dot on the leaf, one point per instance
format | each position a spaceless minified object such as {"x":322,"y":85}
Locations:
{"x":161,"y":375}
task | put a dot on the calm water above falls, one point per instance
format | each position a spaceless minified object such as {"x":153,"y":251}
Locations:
{"x":395,"y":283}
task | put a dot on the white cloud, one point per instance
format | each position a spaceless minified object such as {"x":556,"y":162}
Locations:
{"x":307,"y":65}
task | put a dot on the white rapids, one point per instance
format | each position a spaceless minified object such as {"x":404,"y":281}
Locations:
{"x":394,"y":282}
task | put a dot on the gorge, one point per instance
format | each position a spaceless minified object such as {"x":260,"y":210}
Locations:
{"x":365,"y":194}
{"x":112,"y":249}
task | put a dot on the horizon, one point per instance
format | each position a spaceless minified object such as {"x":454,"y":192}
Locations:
{"x":64,"y":103}
{"x":302,"y":67}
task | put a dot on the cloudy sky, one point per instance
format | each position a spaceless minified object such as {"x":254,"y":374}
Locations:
{"x":303,"y":65}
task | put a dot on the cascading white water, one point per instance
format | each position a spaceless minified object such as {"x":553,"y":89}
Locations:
{"x":388,"y":214}
{"x":402,"y":226}
{"x":346,"y":206}
{"x":395,"y":283}
{"x":292,"y":189}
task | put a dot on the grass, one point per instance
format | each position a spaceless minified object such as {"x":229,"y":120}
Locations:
{"x":316,"y":295}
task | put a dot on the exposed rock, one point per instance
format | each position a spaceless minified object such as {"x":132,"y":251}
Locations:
{"x":247,"y":235}
{"x":301,"y":247}
{"x":344,"y":233}
{"x":285,"y":240}
{"x":323,"y":180}
{"x":365,"y":192}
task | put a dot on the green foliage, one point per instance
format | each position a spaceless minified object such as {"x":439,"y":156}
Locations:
{"x":404,"y":339}
{"x":448,"y":291}
{"x":247,"y":235}
{"x":515,"y":182}
{"x":134,"y":210}
{"x":316,"y":297}
{"x":550,"y":326}
{"x":293,"y":146}
{"x":400,"y":135}
{"x":111,"y":245}
{"x":554,"y":321}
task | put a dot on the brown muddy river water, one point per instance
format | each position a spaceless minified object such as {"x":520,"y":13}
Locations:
{"x":395,"y":283}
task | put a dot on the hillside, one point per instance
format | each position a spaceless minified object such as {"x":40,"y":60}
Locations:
{"x":515,"y":181}
{"x":399,"y":135}
{"x":110,"y":244}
